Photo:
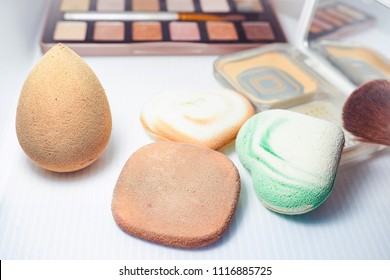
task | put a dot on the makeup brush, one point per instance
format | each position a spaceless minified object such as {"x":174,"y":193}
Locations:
{"x":366,"y":113}
{"x":147,"y":16}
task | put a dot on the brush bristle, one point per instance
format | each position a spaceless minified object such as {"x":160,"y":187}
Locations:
{"x":366,"y":113}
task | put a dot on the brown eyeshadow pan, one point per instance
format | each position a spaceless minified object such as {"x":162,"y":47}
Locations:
{"x":324,"y":25}
{"x":221,"y":31}
{"x":329,"y":18}
{"x":315,"y":28}
{"x":184,"y":31}
{"x":337,"y":14}
{"x":258,"y":31}
{"x":146,"y":5}
{"x":147,"y":31}
{"x":109,"y":31}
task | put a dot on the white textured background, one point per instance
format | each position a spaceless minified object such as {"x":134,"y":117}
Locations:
{"x":44,"y":215}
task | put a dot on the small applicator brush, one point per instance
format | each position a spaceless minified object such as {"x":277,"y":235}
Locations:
{"x":146,"y":16}
{"x":366,"y":113}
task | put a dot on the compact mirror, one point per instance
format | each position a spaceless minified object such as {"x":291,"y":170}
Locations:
{"x":353,"y":36}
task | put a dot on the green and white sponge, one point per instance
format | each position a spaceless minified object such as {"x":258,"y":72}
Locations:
{"x":292,"y":158}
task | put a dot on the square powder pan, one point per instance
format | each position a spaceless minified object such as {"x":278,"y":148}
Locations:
{"x":324,"y":93}
{"x":223,"y":66}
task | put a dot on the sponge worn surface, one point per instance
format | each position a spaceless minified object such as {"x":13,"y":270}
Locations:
{"x":63,"y":119}
{"x":176,"y":194}
{"x":293,"y":159}
{"x":210,"y":119}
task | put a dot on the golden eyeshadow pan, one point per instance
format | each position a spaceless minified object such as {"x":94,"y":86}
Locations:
{"x":71,"y":31}
{"x":75,"y":5}
{"x":107,"y":33}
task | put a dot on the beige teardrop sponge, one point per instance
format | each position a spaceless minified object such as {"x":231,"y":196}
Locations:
{"x":63,"y":119}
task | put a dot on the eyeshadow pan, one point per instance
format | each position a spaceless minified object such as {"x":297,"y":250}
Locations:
{"x":74,"y":5}
{"x":110,"y":5}
{"x":215,"y":5}
{"x":315,"y":28}
{"x":109,"y":31}
{"x":333,"y":17}
{"x":146,"y":5}
{"x":248,"y":5}
{"x":70,"y":31}
{"x":221,"y":31}
{"x":180,"y":5}
{"x":147,"y":31}
{"x":340,"y":15}
{"x":351,"y":12}
{"x":329,"y":18}
{"x":184,"y":31}
{"x":322,"y":24}
{"x":258,"y":31}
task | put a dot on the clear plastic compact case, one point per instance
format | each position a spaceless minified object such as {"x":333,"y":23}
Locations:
{"x":299,"y":78}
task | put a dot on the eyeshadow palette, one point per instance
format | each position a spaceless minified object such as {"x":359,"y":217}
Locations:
{"x":334,"y":19}
{"x":279,"y":76}
{"x":147,"y":27}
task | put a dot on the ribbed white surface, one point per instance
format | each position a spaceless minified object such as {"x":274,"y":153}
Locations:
{"x":44,"y":215}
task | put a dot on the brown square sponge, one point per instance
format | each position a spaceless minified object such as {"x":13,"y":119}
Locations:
{"x":176,"y":194}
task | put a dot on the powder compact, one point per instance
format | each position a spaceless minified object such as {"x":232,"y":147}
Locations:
{"x":315,"y":75}
{"x":156,"y":27}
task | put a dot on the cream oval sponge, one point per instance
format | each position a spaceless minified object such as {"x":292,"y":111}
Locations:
{"x":63,"y":119}
{"x":210,"y":118}
{"x":292,"y":158}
